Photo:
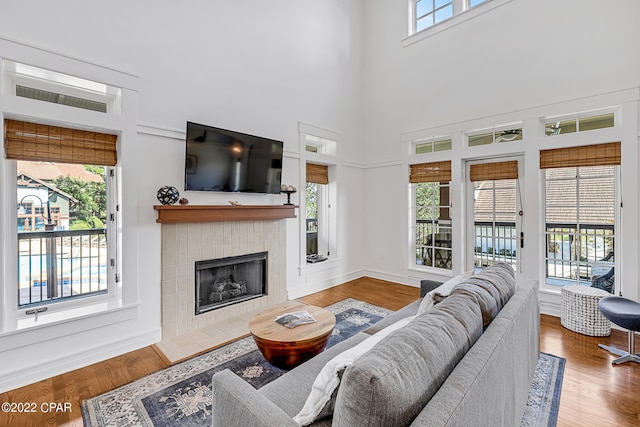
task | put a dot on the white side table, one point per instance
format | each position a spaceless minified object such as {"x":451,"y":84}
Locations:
{"x":579,"y":311}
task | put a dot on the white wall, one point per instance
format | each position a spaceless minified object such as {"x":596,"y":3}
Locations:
{"x":523,"y":60}
{"x":255,"y":67}
{"x":262,"y":67}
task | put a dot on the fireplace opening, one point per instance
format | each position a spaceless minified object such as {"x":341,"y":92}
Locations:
{"x":225,"y":281}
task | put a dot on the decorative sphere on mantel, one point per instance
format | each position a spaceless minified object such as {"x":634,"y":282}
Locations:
{"x":168,"y":195}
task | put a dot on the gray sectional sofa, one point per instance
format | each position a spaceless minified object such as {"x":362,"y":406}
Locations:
{"x":468,"y":360}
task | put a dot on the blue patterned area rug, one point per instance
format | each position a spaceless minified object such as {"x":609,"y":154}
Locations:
{"x":181,"y":394}
{"x":544,"y":395}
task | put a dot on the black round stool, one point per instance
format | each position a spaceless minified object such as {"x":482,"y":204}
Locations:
{"x":626,"y":314}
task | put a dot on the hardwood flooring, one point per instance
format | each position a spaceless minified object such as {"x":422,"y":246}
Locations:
{"x":594,"y":393}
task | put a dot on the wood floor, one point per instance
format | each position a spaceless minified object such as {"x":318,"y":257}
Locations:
{"x":594,"y":393}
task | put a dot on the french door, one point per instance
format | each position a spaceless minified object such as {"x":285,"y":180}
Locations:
{"x":495,"y":216}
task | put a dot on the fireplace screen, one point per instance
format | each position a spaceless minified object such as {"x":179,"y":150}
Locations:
{"x":224,"y":281}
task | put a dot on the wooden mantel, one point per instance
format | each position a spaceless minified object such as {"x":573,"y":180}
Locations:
{"x":173,"y":214}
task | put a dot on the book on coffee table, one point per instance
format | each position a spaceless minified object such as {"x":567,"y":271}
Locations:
{"x":296,"y":318}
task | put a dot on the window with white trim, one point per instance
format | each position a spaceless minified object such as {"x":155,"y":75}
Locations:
{"x":64,"y":193}
{"x":581,"y":207}
{"x":432,"y":145}
{"x":319,"y":169}
{"x":432,"y":228}
{"x":65,"y":211}
{"x":427,"y":13}
{"x":494,"y":136}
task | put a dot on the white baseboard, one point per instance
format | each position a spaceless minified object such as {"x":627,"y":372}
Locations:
{"x":85,"y":357}
{"x":313,"y":287}
{"x":403,"y":280}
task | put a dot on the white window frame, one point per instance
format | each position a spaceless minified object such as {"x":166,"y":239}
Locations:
{"x":413,"y":231}
{"x":461,"y":13}
{"x":120,"y":303}
{"x":328,"y":143}
{"x":19,"y":74}
{"x":112,"y":237}
{"x":617,"y":235}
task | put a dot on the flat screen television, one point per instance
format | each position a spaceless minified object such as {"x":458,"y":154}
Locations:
{"x":224,"y":160}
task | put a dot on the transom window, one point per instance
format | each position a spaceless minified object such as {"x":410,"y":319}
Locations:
{"x":432,"y":145}
{"x":495,"y":136}
{"x":579,"y":124}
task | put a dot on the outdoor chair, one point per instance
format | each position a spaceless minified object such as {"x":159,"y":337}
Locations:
{"x":626,"y":314}
{"x":605,"y":281}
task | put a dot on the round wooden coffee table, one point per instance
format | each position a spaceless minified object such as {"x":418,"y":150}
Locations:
{"x":285,"y":347}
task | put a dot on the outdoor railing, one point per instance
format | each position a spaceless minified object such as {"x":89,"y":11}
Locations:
{"x":74,"y":261}
{"x":572,"y":252}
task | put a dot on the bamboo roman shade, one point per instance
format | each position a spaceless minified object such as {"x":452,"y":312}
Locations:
{"x":318,"y":174}
{"x":40,"y":142}
{"x":493,"y":171}
{"x":430,"y":172}
{"x":587,"y":155}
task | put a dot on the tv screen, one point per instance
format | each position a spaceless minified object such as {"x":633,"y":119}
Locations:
{"x":224,"y":160}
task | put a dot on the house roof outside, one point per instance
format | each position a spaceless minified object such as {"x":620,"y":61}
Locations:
{"x":48,"y":171}
{"x":597,"y":198}
{"x":26,"y":180}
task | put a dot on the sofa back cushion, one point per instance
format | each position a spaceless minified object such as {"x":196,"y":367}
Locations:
{"x":498,"y":279}
{"x":389,"y":385}
{"x":486,"y":302}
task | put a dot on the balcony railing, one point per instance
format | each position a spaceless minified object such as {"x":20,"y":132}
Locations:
{"x":495,"y":242}
{"x":572,"y":252}
{"x":75,"y":262}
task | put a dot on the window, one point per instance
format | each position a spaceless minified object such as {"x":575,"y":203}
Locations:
{"x":432,"y":145}
{"x":317,"y":215}
{"x":44,"y":85}
{"x":427,"y":13}
{"x":580,"y":214}
{"x":430,"y":12}
{"x":430,"y":183}
{"x":62,"y":208}
{"x":496,"y":208}
{"x":580,"y":124}
{"x":495,"y":136}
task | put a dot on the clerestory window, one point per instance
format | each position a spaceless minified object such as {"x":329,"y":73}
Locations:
{"x":427,"y":13}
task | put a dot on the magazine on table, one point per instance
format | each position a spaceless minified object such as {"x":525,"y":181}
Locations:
{"x":296,"y":318}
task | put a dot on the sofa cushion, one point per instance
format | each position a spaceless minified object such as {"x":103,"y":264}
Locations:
{"x":498,"y":279}
{"x":321,"y":400}
{"x":486,"y":302}
{"x":290,"y":391}
{"x":391,"y":383}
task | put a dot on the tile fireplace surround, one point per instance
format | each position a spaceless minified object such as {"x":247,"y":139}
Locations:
{"x":183,"y":243}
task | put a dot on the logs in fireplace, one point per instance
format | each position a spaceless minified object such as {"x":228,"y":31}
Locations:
{"x":224,"y":281}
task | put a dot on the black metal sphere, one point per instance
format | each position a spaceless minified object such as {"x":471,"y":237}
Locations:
{"x":168,"y":195}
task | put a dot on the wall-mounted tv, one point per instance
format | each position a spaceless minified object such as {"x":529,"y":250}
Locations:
{"x":224,"y":160}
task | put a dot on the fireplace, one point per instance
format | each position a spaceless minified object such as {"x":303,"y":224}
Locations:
{"x":225,"y":281}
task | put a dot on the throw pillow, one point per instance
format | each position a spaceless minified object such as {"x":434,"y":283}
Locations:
{"x":321,"y":400}
{"x":438,"y":294}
